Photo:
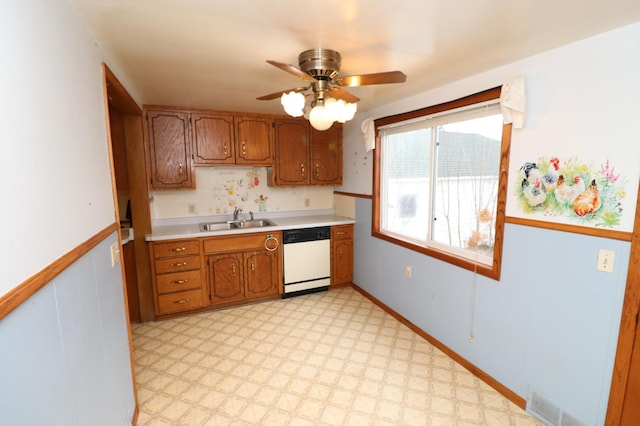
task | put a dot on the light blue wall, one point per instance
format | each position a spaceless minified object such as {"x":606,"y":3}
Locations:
{"x":549,"y":325}
{"x":65,"y":351}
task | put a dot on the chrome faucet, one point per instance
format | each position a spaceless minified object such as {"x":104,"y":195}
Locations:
{"x":236,"y":212}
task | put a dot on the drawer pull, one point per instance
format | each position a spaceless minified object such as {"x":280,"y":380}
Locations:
{"x":179,"y":264}
{"x":179,"y":249}
{"x":341,"y":232}
{"x":179,"y":281}
{"x":181,"y":301}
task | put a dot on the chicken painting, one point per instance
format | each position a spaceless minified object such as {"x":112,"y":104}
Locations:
{"x":535,"y":193}
{"x":588,"y":201}
{"x":566,"y":193}
{"x":549,"y":180}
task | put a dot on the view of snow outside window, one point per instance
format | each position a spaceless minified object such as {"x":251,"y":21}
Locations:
{"x":440,"y":185}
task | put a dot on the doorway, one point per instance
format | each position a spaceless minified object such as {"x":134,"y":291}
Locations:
{"x":124,"y":118}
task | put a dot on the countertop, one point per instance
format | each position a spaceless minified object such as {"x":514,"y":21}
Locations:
{"x":191,"y":228}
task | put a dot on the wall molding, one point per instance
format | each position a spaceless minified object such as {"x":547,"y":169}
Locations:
{"x":575,"y":229}
{"x":22,"y":292}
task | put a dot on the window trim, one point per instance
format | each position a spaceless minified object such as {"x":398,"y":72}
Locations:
{"x":493,"y":271}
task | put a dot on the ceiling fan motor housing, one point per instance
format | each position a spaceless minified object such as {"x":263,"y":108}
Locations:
{"x":322,"y":64}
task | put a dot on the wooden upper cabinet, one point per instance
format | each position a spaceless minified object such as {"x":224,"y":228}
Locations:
{"x":326,"y":156}
{"x":291,"y":163}
{"x":254,"y":140}
{"x":305,"y":156}
{"x":213,"y":138}
{"x":168,"y":142}
{"x":229,"y":139}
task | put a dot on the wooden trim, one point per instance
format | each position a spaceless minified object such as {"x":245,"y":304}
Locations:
{"x":31,"y":285}
{"x":594,"y":232}
{"x":118,"y":96}
{"x":628,"y":327}
{"x":353,"y":194}
{"x":492,"y":271}
{"x":484,"y":96}
{"x":505,"y":391}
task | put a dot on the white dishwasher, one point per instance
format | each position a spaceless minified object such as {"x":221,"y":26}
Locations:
{"x":307,"y":260}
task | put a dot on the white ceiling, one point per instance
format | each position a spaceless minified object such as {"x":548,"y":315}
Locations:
{"x":211,"y":53}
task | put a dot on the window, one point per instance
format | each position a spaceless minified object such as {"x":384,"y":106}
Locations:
{"x":440,"y":179}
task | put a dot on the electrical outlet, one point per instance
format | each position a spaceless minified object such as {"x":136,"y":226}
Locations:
{"x":605,"y":260}
{"x":192,"y":209}
{"x":307,"y":202}
{"x":115,"y":254}
{"x":407,"y":270}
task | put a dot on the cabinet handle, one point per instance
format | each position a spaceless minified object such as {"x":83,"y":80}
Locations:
{"x":179,"y":281}
{"x":233,"y":269}
{"x":317,"y":170}
{"x":175,"y":265}
{"x":302,"y":170}
{"x":181,"y":301}
{"x":340,"y":253}
{"x":225,"y":149}
{"x":244,"y":148}
{"x":253,"y":266}
{"x":179,"y":249}
{"x":180,"y":168}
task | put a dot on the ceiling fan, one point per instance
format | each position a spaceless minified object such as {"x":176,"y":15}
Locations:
{"x":330,"y":102}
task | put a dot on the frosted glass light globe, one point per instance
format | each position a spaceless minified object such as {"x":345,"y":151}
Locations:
{"x":318,"y":118}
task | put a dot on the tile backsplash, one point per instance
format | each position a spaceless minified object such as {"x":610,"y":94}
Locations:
{"x":220,"y":189}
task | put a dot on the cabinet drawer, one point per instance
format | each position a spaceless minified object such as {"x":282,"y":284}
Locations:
{"x":251,"y":241}
{"x":175,"y":248}
{"x":342,"y":232}
{"x":177,"y":264}
{"x":178,"y":302}
{"x":169,"y":283}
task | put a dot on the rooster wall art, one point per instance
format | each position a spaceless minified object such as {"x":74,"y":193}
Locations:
{"x":571,"y":189}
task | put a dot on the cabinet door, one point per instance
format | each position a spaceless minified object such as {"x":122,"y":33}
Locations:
{"x":169,"y":148}
{"x":341,"y":254}
{"x":213,"y":138}
{"x":261,"y":273}
{"x":326,"y":156}
{"x":343,"y":262}
{"x":290,"y":166}
{"x":226,"y":277}
{"x":254,"y":140}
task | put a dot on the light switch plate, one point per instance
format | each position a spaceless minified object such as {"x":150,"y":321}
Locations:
{"x":115,"y":254}
{"x":606,"y":260}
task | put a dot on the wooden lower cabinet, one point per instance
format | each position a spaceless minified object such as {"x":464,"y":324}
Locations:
{"x":341,"y":254}
{"x":177,"y":276}
{"x":243,"y":267}
{"x":201,"y":273}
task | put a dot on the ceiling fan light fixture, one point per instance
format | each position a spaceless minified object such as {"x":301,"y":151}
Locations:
{"x":319,"y":118}
{"x":293,"y":103}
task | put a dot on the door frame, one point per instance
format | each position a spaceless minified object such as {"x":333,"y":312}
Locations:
{"x":119,"y":99}
{"x":628,"y":329}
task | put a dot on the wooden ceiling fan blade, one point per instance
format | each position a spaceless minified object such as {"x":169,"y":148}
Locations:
{"x":339,"y":93}
{"x":276,"y":95}
{"x":368,"y":79}
{"x":292,"y":70}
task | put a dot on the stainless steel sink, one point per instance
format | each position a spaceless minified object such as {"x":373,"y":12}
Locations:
{"x":216,"y":226}
{"x":257,"y":223}
{"x":244,"y":224}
